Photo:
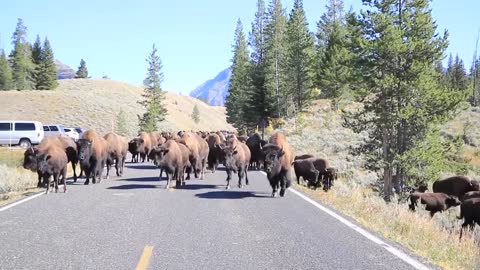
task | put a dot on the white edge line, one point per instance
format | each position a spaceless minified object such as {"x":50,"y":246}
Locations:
{"x":400,"y":254}
{"x":21,"y":201}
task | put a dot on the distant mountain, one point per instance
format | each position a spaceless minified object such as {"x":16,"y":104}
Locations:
{"x":215,"y":90}
{"x":64,"y":71}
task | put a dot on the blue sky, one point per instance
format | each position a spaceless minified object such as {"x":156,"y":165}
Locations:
{"x":193,"y":37}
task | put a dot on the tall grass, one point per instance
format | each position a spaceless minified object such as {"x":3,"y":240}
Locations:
{"x":13,"y":178}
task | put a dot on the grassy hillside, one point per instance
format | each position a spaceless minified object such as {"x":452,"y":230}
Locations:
{"x":93,"y":104}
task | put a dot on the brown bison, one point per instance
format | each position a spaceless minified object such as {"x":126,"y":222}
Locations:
{"x":49,"y":159}
{"x":215,"y":155}
{"x":255,"y":144}
{"x":435,"y":202}
{"x":145,"y":145}
{"x":237,"y":158}
{"x":304,"y":168}
{"x":456,"y":186}
{"x":70,"y":147}
{"x":198,"y":152}
{"x":168,"y":157}
{"x":116,"y":152}
{"x":305,"y":156}
{"x":92,"y":154}
{"x":278,"y":163}
{"x":470,"y":213}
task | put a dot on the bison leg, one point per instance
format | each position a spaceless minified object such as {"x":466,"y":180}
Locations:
{"x":40,"y":184}
{"x":123,"y":165}
{"x":240,"y":176}
{"x":109,"y":166}
{"x":56,"y":179}
{"x":117,"y":165}
{"x":87,"y":176}
{"x":46,"y":179}
{"x":188,"y":169}
{"x":274,"y":185}
{"x":283,"y":186}
{"x":246,"y":175}
{"x":64,"y":174}
{"x":74,"y":168}
{"x":169,"y":177}
{"x":229,"y":177}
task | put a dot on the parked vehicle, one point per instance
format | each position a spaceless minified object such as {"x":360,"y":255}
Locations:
{"x":53,"y":130}
{"x":72,"y":133}
{"x":79,"y":131}
{"x":23,"y":133}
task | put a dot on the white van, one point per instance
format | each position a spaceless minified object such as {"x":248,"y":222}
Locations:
{"x":23,"y":133}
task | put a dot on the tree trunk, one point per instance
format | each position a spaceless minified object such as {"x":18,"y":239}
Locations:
{"x":387,"y":182}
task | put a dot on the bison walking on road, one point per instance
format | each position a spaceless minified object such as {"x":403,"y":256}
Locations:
{"x":92,"y":154}
{"x":116,"y":152}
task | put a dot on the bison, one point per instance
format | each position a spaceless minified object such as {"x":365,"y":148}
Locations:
{"x":215,"y":152}
{"x":255,"y":144}
{"x":133,"y":147}
{"x":470,"y":213}
{"x":278,"y":163}
{"x":471,"y":195}
{"x":435,"y":202}
{"x":329,"y":177}
{"x":456,"y":186}
{"x":305,"y":169}
{"x":168,"y":157}
{"x":48,"y":159}
{"x":198,"y":152}
{"x":305,"y":156}
{"x":237,"y":158}
{"x":92,"y":154}
{"x":116,"y":152}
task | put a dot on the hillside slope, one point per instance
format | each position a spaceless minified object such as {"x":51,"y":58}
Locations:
{"x":94,"y":104}
{"x":214,"y":91}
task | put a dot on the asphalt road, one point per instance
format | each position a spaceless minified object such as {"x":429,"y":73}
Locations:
{"x":201,"y":226}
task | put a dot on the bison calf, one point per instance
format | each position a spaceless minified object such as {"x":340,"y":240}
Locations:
{"x":470,"y":213}
{"x":304,"y":168}
{"x":434,"y":202}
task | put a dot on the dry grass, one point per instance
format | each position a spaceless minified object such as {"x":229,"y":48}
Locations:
{"x":15,"y":181}
{"x":435,"y":239}
{"x":94,"y":104}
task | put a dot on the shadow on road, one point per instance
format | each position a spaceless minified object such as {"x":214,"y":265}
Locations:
{"x":142,"y":179}
{"x":141,"y":167}
{"x":229,"y":195}
{"x":134,"y":186}
{"x":199,"y":186}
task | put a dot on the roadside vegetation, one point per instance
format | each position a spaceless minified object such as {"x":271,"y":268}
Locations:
{"x":14,"y":180}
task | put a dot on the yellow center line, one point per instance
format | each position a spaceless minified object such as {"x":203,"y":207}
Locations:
{"x":145,"y":259}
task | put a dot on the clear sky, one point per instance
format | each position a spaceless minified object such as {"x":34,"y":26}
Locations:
{"x":193,"y":37}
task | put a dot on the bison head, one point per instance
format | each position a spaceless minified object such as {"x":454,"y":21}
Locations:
{"x":30,"y":159}
{"x":157,"y":154}
{"x":273,"y":162}
{"x":42,"y":161}
{"x":475,"y":185}
{"x":230,"y":157}
{"x":452,"y":201}
{"x":84,"y":147}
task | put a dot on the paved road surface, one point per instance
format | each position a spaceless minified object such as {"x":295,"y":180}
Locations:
{"x":202,"y":226}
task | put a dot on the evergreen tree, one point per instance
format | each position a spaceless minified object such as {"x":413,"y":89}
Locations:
{"x":457,"y":75}
{"x":22,"y":66}
{"x":5,"y":73}
{"x":334,"y":15}
{"x":82,"y":72}
{"x":277,"y":96}
{"x":335,"y":67}
{"x":195,"y":114}
{"x":37,"y":51}
{"x":153,"y":94}
{"x":301,"y":57}
{"x":403,"y":101}
{"x":121,"y":124}
{"x":475,"y":76}
{"x":47,"y":71}
{"x":259,"y":105}
{"x":240,"y":81}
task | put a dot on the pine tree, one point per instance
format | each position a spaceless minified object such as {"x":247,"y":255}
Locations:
{"x":259,"y":106}
{"x":277,"y":96}
{"x":82,"y":72}
{"x":22,"y":66}
{"x":334,"y":15}
{"x":37,"y":51}
{"x":153,"y":94}
{"x":5,"y":73}
{"x":457,"y":75}
{"x":195,"y":114}
{"x":403,"y":101}
{"x":334,"y":57}
{"x":240,"y":82}
{"x":301,"y":57}
{"x":47,"y":71}
{"x":121,"y":124}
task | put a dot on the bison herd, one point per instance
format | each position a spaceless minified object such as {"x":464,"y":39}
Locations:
{"x":183,"y":153}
